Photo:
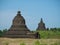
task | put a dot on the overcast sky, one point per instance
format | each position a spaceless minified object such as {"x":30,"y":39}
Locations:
{"x":32,"y":11}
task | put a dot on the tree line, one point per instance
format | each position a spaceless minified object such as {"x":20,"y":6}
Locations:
{"x":2,"y":32}
{"x":51,"y":29}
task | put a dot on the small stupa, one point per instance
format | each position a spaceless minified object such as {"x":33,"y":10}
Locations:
{"x":19,"y":29}
{"x":41,"y":25}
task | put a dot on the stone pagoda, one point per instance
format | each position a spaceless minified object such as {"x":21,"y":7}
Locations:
{"x":41,"y":25}
{"x":19,"y":29}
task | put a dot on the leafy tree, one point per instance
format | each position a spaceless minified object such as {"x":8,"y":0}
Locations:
{"x":55,"y":29}
{"x":5,"y":30}
{"x":58,"y":29}
{"x":47,"y":29}
{"x":1,"y":33}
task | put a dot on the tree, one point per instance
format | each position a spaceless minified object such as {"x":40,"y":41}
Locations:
{"x":58,"y":29}
{"x":1,"y":33}
{"x":5,"y":30}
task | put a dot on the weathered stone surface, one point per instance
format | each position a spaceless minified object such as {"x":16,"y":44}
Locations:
{"x":41,"y":25}
{"x":19,"y":29}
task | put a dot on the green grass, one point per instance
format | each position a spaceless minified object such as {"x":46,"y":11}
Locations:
{"x":6,"y":43}
{"x":22,"y":43}
{"x":57,"y":43}
{"x":27,"y":41}
{"x":49,"y":34}
{"x":37,"y":43}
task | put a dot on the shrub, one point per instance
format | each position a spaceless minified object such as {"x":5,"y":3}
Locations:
{"x":6,"y":43}
{"x":22,"y":43}
{"x":37,"y":43}
{"x":56,"y":43}
{"x":1,"y":33}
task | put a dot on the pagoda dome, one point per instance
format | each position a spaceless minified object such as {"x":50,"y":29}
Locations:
{"x":19,"y":29}
{"x":18,"y":19}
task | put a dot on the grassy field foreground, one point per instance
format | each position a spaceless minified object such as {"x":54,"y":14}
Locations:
{"x":49,"y":34}
{"x":27,"y":41}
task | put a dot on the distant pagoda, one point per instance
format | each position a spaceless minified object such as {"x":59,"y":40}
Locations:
{"x":19,"y":29}
{"x":41,"y":25}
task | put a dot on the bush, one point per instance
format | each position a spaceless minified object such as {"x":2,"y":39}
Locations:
{"x":1,"y":33}
{"x":6,"y":43}
{"x":37,"y":43}
{"x":22,"y":43}
{"x":5,"y":30}
{"x":49,"y":34}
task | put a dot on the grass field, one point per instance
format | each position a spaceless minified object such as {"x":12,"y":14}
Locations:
{"x":47,"y":38}
{"x":27,"y":41}
{"x":49,"y":34}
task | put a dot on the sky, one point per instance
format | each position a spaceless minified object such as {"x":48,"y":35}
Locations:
{"x":32,"y":11}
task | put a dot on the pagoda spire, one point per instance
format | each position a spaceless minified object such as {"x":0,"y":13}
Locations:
{"x":19,"y":13}
{"x":41,"y":20}
{"x":41,"y":25}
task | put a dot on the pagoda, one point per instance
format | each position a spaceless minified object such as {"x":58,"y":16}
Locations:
{"x":41,"y":25}
{"x":19,"y":29}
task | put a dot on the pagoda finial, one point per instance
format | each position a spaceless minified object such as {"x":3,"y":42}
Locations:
{"x":19,"y":12}
{"x":41,"y":20}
